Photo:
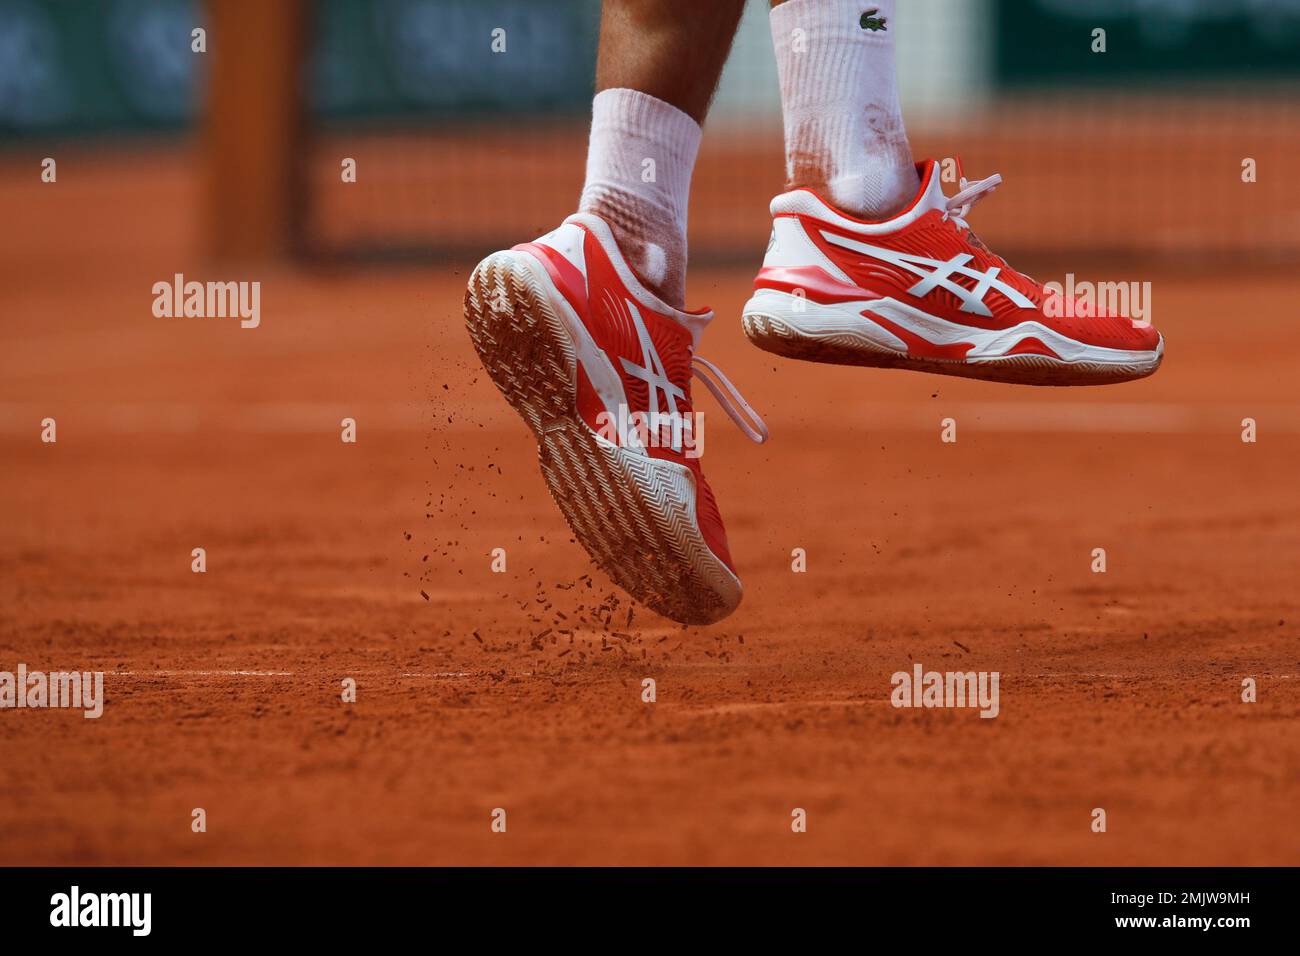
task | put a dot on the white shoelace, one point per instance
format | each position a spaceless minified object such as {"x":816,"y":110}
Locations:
{"x":970,"y":193}
{"x":732,"y":402}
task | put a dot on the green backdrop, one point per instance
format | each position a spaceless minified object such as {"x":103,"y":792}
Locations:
{"x":1151,"y":41}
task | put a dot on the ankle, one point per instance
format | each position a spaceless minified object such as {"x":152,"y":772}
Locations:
{"x":653,"y":248}
{"x":639,"y":163}
{"x":844,"y":131}
{"x":879,"y":195}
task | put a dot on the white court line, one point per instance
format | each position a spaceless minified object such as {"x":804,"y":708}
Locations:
{"x":438,"y":676}
{"x":1143,"y":676}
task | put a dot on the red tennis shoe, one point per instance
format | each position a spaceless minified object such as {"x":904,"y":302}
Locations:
{"x":920,"y":291}
{"x":600,"y":369}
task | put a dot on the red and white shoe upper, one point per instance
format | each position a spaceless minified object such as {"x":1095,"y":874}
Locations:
{"x":928,"y":258}
{"x":637,"y":352}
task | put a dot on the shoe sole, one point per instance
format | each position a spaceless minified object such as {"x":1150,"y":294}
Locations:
{"x":772,"y":325}
{"x":634,"y":514}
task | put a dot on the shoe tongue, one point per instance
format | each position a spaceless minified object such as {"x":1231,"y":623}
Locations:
{"x":932,"y":196}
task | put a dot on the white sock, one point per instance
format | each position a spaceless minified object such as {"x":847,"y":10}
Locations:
{"x":639,"y":163}
{"x":839,"y":99}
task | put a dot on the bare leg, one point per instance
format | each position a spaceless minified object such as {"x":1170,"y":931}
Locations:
{"x":656,"y":72}
{"x":673,"y":50}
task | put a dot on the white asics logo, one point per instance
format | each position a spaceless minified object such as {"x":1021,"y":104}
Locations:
{"x":652,"y":373}
{"x":937,"y":274}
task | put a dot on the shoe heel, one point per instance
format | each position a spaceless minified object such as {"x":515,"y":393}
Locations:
{"x":520,"y":340}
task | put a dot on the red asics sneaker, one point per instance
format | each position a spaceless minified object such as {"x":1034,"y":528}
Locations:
{"x":600,"y":370}
{"x":921,"y":291}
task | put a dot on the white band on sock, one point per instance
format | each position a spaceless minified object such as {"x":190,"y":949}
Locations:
{"x":639,"y":163}
{"x":839,"y":101}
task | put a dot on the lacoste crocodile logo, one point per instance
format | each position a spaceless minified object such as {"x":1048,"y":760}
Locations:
{"x":870,"y":21}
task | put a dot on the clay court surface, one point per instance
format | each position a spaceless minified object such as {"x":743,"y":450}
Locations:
{"x":523,"y":690}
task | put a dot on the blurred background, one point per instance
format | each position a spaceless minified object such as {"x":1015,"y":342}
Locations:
{"x":236,"y":152}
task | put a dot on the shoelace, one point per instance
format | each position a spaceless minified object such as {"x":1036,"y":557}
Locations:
{"x":959,"y":205}
{"x":732,"y":402}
